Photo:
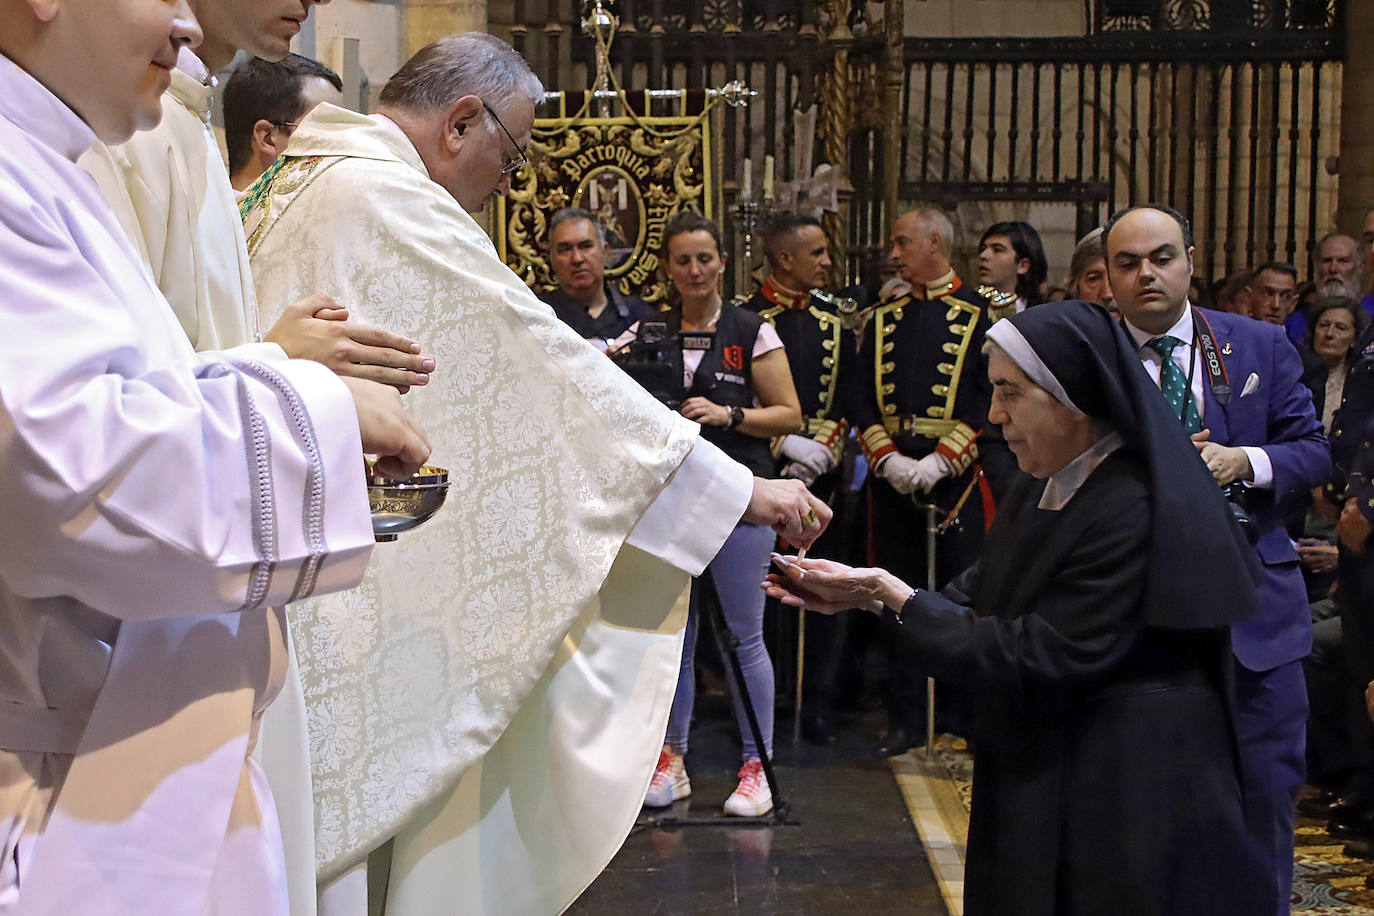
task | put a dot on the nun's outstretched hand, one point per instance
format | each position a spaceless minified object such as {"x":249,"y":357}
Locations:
{"x":830,"y":587}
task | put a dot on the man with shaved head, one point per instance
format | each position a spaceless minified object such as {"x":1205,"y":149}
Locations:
{"x":1235,"y":384}
{"x":919,"y":403}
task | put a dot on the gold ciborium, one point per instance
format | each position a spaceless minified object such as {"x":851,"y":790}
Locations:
{"x":400,"y":505}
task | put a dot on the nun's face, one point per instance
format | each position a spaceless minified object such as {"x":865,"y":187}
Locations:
{"x":1042,"y":433}
{"x":1150,"y":269}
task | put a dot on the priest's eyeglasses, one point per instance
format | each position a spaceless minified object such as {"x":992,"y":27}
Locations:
{"x":515,"y":163}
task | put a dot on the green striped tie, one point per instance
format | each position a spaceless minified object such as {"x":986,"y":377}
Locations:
{"x":1174,"y":385}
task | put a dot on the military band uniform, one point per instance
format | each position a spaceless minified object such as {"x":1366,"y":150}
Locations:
{"x":920,"y":387}
{"x":821,"y":350}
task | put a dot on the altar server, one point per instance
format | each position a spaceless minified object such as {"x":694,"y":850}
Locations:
{"x":154,"y":505}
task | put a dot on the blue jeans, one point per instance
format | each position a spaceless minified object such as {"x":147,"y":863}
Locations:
{"x":737,"y":570}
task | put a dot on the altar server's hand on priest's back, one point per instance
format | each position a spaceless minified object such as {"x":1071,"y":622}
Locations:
{"x":789,"y":509}
{"x":388,"y":432}
{"x":317,"y":328}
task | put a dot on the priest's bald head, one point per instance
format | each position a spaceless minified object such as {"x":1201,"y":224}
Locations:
{"x":109,"y":60}
{"x":467,"y":104}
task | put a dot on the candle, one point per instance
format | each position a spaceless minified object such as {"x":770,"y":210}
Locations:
{"x":767,"y":177}
{"x":745,"y":188}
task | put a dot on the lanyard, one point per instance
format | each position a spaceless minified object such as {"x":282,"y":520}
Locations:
{"x":1216,"y":369}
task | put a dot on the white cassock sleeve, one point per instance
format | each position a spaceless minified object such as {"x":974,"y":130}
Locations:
{"x":148,"y":482}
{"x":696,"y":511}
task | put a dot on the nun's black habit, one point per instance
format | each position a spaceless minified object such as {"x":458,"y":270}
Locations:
{"x":1094,"y":656}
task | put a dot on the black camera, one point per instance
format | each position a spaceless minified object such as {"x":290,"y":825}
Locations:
{"x":654,"y":359}
{"x":1237,"y":494}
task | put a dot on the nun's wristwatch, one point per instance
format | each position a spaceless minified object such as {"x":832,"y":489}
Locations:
{"x":736,"y":417}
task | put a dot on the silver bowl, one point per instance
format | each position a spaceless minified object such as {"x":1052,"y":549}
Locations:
{"x":400,"y":505}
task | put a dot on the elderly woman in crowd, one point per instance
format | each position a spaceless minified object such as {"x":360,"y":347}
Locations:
{"x":1088,"y":272}
{"x":1337,"y":323}
{"x":1092,"y":640}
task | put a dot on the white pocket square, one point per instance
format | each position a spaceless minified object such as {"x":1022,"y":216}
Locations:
{"x":1251,"y":384}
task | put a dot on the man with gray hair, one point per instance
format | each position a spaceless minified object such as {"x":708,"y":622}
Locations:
{"x":920,"y":407}
{"x":587,"y":303}
{"x":493,"y":696}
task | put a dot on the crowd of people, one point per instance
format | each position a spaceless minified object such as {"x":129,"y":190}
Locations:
{"x":1107,"y":526}
{"x":1260,"y":387}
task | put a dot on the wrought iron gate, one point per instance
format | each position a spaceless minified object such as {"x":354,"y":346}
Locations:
{"x":1228,"y":109}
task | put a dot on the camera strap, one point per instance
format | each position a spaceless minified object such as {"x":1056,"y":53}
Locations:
{"x":1204,"y":336}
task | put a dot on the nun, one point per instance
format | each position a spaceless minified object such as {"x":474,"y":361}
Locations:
{"x":1090,"y":640}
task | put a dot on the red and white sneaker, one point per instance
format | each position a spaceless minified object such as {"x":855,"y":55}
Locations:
{"x":670,"y":781}
{"x":752,"y":797}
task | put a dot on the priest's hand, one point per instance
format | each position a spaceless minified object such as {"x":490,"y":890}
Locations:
{"x":788,"y":508}
{"x":387,"y":430}
{"x":317,"y":328}
{"x":830,"y":587}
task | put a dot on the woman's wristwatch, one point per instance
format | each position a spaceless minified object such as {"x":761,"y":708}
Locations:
{"x":736,"y":417}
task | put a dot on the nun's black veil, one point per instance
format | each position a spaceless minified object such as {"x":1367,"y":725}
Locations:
{"x":1201,"y":570}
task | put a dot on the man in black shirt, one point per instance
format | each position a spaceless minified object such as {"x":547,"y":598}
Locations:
{"x":583,"y":299}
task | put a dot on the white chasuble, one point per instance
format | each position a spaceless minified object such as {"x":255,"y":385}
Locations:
{"x":495,"y":694}
{"x":156,"y":503}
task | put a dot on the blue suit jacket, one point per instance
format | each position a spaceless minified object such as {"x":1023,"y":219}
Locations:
{"x":1277,"y":416}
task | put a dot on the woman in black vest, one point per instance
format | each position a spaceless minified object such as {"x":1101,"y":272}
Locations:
{"x":738,"y":386}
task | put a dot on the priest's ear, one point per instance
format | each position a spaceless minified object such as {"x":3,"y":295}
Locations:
{"x":269,"y":140}
{"x":462,"y":116}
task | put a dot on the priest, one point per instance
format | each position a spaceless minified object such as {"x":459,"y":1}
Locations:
{"x":496,"y":694}
{"x":156,"y":504}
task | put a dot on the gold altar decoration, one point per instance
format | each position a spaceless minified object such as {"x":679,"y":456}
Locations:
{"x":634,"y":171}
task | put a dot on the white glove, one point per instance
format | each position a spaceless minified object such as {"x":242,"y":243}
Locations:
{"x":809,"y":452}
{"x":805,"y":473}
{"x":908,"y":475}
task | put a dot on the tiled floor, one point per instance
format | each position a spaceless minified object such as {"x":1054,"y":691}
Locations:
{"x":854,"y":851}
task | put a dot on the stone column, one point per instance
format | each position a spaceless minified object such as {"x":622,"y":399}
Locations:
{"x":1356,"y":146}
{"x":427,"y":20}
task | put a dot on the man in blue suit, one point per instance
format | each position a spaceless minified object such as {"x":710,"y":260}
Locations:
{"x":1235,"y":384}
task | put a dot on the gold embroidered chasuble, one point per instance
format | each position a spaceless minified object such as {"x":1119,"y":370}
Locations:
{"x":495,"y":693}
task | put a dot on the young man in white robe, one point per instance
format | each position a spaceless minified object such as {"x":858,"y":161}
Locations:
{"x":517,"y":660}
{"x":170,"y":188}
{"x":155,"y":504}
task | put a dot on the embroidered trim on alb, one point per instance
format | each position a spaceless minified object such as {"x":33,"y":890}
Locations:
{"x":263,"y":505}
{"x":312,"y":501}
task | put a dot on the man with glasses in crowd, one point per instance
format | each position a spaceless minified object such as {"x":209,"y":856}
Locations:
{"x":264,"y":101}
{"x":1273,"y":292}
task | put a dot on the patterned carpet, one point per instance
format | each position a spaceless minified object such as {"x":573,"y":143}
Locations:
{"x":1326,"y":883}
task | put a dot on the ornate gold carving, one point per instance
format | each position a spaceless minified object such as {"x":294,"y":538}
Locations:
{"x":635,"y":174}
